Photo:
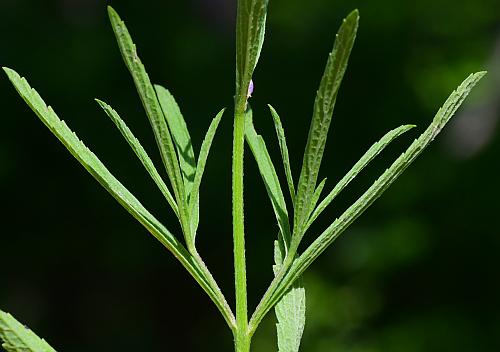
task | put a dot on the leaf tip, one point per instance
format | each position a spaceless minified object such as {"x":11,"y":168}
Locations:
{"x":274,"y":114}
{"x":353,"y":17}
{"x":475,"y":77}
{"x":10,"y":72}
{"x":400,"y":130}
{"x":113,"y":16}
{"x":111,"y":11}
{"x":480,"y":74}
{"x":100,"y":102}
{"x":159,"y":89}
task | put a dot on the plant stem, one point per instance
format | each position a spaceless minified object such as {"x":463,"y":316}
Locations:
{"x":242,"y":340}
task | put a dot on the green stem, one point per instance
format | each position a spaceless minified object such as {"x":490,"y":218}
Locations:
{"x":242,"y":340}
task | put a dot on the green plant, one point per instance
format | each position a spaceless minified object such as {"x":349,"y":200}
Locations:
{"x":185,"y":171}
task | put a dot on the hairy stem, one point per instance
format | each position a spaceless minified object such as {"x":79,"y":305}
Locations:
{"x":242,"y":342}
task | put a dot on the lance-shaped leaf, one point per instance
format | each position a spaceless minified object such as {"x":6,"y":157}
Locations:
{"x":269,"y":176}
{"x":97,"y":169}
{"x":374,"y":150}
{"x":250,"y":31}
{"x":300,"y":264}
{"x":154,"y":113}
{"x":180,"y":134}
{"x":322,"y":116}
{"x":202,"y":161}
{"x":280,"y":132}
{"x":182,"y":139}
{"x":290,"y":310}
{"x":139,"y":152}
{"x":19,"y":338}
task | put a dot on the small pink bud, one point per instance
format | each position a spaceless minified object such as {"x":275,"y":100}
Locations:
{"x":250,"y":89}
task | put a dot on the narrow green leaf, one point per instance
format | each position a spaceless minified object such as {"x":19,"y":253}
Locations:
{"x":250,"y":31}
{"x":180,"y":134}
{"x":202,"y":161}
{"x":182,"y":139}
{"x":155,"y":115}
{"x":301,"y":263}
{"x":374,"y":150}
{"x":290,"y":310}
{"x":19,"y":338}
{"x":140,"y":152}
{"x":317,"y":193}
{"x":280,"y":132}
{"x":269,"y":176}
{"x":322,"y":116}
{"x":90,"y":161}
{"x":97,"y":169}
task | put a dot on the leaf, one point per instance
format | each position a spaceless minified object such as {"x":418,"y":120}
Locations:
{"x":180,"y":134}
{"x":90,"y":161}
{"x":381,"y":184}
{"x":268,"y":173}
{"x":322,"y":116}
{"x":97,"y":169}
{"x":317,"y":193}
{"x":204,"y":151}
{"x":374,"y":150}
{"x":250,"y":31}
{"x":140,"y":152}
{"x":182,"y":139}
{"x":280,"y":132}
{"x":19,"y":338}
{"x":290,"y":310}
{"x":155,"y":115}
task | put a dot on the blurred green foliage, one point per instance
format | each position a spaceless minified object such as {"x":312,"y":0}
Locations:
{"x":418,"y":272}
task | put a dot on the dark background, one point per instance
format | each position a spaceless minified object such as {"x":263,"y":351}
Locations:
{"x":418,"y":272}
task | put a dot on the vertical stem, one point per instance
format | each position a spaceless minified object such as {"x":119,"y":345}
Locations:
{"x":242,"y":340}
{"x":242,"y":344}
